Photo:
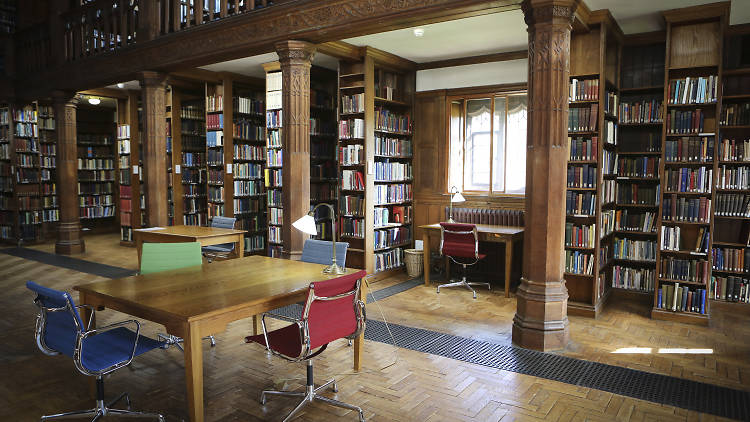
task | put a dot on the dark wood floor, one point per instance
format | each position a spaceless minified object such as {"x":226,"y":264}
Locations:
{"x":395,"y":385}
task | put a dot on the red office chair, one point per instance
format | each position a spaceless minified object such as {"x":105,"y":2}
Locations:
{"x":332,"y":311}
{"x":460,"y":243}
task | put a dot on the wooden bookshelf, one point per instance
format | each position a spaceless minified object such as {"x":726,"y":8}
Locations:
{"x":323,"y":148}
{"x":375,"y":161}
{"x":7,"y":216}
{"x":274,"y":159}
{"x":215,"y":150}
{"x":192,"y":152}
{"x":592,"y":134}
{"x":247,"y":152}
{"x":637,"y":164}
{"x":48,"y":170}
{"x":128,"y":151}
{"x":97,"y":195}
{"x":688,"y":197}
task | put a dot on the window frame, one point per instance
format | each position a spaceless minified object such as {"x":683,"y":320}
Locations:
{"x":491,"y":95}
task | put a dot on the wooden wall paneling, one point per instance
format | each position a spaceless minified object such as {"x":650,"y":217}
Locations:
{"x":697,"y":45}
{"x":430,"y":143}
{"x":585,"y":53}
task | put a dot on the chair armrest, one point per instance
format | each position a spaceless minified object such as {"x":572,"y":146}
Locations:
{"x":301,"y":325}
{"x":361,"y":314}
{"x":91,"y":317}
{"x":78,"y":352}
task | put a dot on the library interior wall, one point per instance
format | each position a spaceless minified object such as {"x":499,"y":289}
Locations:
{"x":494,"y":73}
{"x":430,"y":135}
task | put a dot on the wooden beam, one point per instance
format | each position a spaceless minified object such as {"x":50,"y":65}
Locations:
{"x":340,"y":50}
{"x":645,"y":38}
{"x":581,"y":18}
{"x":464,"y":61}
{"x":697,"y":13}
{"x":604,"y":17}
{"x":106,"y":92}
{"x":388,"y":60}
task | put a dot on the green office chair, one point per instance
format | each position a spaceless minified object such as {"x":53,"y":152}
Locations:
{"x":158,"y":257}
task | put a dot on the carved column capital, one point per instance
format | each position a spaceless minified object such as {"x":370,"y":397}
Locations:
{"x":152,"y":79}
{"x":295,"y":52}
{"x":67,"y":98}
{"x":549,"y":11}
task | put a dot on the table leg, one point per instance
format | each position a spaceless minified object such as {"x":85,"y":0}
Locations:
{"x":138,"y":249}
{"x":426,"y":256}
{"x":257,"y":328}
{"x":194,"y":372}
{"x":508,"y":264}
{"x":359,"y":342}
{"x":240,"y":248}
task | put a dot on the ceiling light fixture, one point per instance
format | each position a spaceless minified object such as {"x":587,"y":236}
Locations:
{"x":418,"y":32}
{"x":121,"y":85}
{"x":94,"y":101}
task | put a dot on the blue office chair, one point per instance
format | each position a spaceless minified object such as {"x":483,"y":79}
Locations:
{"x":225,"y":249}
{"x":60,"y":330}
{"x":320,"y":252}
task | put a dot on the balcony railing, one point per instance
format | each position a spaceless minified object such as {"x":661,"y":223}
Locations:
{"x":33,"y":50}
{"x":99,"y":26}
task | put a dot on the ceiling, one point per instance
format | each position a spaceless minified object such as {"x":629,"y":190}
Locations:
{"x":486,"y":34}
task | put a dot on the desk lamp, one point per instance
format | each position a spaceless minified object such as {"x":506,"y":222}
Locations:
{"x":306,"y":224}
{"x":455,"y":197}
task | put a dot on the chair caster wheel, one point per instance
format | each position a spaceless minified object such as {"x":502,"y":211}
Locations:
{"x":263,"y":400}
{"x":335,"y":388}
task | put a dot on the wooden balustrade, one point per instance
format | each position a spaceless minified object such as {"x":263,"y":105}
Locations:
{"x":176,"y":15}
{"x":32,"y":49}
{"x":99,"y":26}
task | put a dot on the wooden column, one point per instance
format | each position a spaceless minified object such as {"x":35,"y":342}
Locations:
{"x":69,"y":239}
{"x":154,"y":144}
{"x":295,"y":58}
{"x":541,"y":320}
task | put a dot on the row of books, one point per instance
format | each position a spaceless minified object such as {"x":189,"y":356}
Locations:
{"x":580,"y":236}
{"x":387,"y":120}
{"x":583,"y":119}
{"x":87,"y":201}
{"x":735,"y":114}
{"x":581,"y":176}
{"x":198,"y":219}
{"x":255,"y":243}
{"x":352,"y":180}
{"x":215,"y":194}
{"x":388,"y":146}
{"x":26,"y":145}
{"x":352,"y":227}
{"x":193,"y":175}
{"x":276,"y":215}
{"x":731,"y":289}
{"x":248,"y":205}
{"x":641,"y":279}
{"x":392,"y":171}
{"x":123,"y":146}
{"x":577,"y":262}
{"x":26,"y":129}
{"x":689,"y":149}
{"x":273,"y":177}
{"x":671,"y":240}
{"x":352,"y":154}
{"x":731,"y":259}
{"x":582,"y":149}
{"x":643,"y":111}
{"x":687,"y":121}
{"x":733,"y":205}
{"x":214,"y":138}
{"x":193,"y":159}
{"x":637,"y":166}
{"x":247,"y":171}
{"x":193,"y":191}
{"x":25,"y":114}
{"x":247,"y":130}
{"x":680,"y":209}
{"x":249,"y":152}
{"x":123,"y":131}
{"x":274,"y":198}
{"x":676,"y":298}
{"x":733,"y":177}
{"x":583,"y":203}
{"x":189,"y":111}
{"x":693,"y":270}
{"x":95,"y":188}
{"x":193,"y":205}
{"x":734,"y":150}
{"x":352,"y":129}
{"x":95,"y":176}
{"x":634,"y":194}
{"x":215,"y":176}
{"x":273,"y":119}
{"x":634,"y":250}
{"x":326,"y":170}
{"x":215,"y":157}
{"x":606,"y":223}
{"x":97,"y":212}
{"x":611,"y":103}
{"x":193,"y":127}
{"x":392,"y":236}
{"x":351,"y":205}
{"x":389,"y":194}
{"x":321,"y":127}
{"x":274,"y":157}
{"x":274,"y":139}
{"x":635,"y":221}
{"x":609,"y":191}
{"x":393,"y":258}
{"x":214,"y":103}
{"x":583,"y":89}
{"x":247,"y":105}
{"x":688,"y":180}
{"x":353,"y":103}
{"x":693,"y":90}
{"x":323,"y":192}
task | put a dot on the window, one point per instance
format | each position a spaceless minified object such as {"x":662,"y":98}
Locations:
{"x":488,"y":144}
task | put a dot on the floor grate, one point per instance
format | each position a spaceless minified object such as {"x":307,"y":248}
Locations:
{"x":75,"y":264}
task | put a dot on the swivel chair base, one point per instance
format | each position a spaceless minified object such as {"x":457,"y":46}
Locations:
{"x":464,"y":283}
{"x":177,"y":341}
{"x":311,"y":393}
{"x":105,"y":409}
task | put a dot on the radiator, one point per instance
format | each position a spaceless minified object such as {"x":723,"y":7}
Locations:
{"x":497,"y":217}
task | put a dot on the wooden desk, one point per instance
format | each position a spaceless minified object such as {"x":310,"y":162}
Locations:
{"x":205,"y":235}
{"x":199,"y":301}
{"x":487,"y":233}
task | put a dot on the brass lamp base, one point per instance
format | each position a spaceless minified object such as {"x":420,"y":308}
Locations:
{"x":333,"y":269}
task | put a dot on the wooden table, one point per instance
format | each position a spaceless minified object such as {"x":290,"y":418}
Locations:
{"x":174,"y":234}
{"x":199,"y":301}
{"x":487,"y":233}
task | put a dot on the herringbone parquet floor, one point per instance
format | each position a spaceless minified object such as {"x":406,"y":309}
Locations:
{"x":396,"y":385}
